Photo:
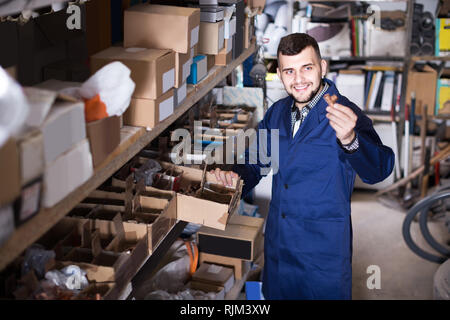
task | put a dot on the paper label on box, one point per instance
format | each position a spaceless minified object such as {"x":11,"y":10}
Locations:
{"x":232,"y":27}
{"x":202,"y":69}
{"x":221,"y":31}
{"x":215,"y":269}
{"x":186,"y":70}
{"x":194,"y":36}
{"x":192,"y":53}
{"x":165,"y":108}
{"x":168,"y":80}
{"x":227,"y":25}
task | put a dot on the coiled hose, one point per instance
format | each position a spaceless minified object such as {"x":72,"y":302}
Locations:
{"x":423,"y":207}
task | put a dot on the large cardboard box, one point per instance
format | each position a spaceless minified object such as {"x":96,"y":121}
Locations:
{"x":67,"y":172}
{"x":423,"y":83}
{"x":152,"y":70}
{"x":216,"y":275}
{"x":161,"y":27}
{"x":63,"y":128}
{"x":10,"y":181}
{"x":104,"y":137}
{"x":240,"y":239}
{"x":211,"y":38}
{"x":148,"y":113}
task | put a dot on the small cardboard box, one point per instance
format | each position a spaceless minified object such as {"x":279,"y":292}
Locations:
{"x":104,"y":137}
{"x":151,"y":214}
{"x":148,"y":113}
{"x":215,"y":275}
{"x":161,"y":27}
{"x":183,"y":66}
{"x":423,"y":83}
{"x":10,"y":181}
{"x":29,"y":203}
{"x":218,"y":291}
{"x":199,"y":208}
{"x":152,"y":70}
{"x":66,"y":173}
{"x":199,"y":69}
{"x":211,"y":37}
{"x":210,"y":61}
{"x":240,"y":239}
{"x":239,"y":266}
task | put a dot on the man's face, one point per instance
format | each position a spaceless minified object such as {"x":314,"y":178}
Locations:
{"x":301,"y":74}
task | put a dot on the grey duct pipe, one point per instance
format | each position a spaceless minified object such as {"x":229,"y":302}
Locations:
{"x":423,"y":206}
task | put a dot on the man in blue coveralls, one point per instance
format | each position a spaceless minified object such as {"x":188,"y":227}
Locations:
{"x":323,"y":144}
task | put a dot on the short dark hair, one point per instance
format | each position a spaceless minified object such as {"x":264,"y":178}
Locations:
{"x":295,"y":43}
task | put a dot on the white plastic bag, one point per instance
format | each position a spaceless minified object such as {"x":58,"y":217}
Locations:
{"x":14,"y":107}
{"x":114,"y":85}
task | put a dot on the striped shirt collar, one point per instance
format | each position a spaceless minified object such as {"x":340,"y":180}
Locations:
{"x":297,"y":115}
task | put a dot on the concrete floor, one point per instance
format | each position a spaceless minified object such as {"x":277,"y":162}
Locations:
{"x":378,"y":240}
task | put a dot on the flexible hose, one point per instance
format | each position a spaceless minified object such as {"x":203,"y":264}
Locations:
{"x":423,"y":206}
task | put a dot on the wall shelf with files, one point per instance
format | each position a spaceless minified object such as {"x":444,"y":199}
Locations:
{"x":133,"y":140}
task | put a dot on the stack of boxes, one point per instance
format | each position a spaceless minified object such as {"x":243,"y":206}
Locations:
{"x":169,"y":30}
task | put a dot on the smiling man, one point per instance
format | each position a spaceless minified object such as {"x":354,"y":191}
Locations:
{"x":324,"y":141}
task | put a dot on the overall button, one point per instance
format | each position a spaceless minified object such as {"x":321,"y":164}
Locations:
{"x":283,"y":215}
{"x":285,"y":186}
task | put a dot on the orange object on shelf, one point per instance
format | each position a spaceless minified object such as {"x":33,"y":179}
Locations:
{"x":94,"y":109}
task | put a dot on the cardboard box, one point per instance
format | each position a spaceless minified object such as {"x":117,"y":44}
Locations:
{"x":147,"y":26}
{"x":148,"y":113}
{"x":424,"y":85}
{"x":183,"y":67}
{"x":104,"y":137}
{"x":196,"y":208}
{"x":239,"y":266}
{"x":199,"y":69}
{"x":240,"y":239}
{"x":180,"y":95}
{"x":216,"y":275}
{"x":217,"y":291}
{"x":152,"y":217}
{"x":63,"y":128}
{"x":211,"y":37}
{"x":225,"y":55}
{"x":10,"y":181}
{"x":201,"y":210}
{"x":152,"y":70}
{"x":210,"y":61}
{"x":66,"y":173}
